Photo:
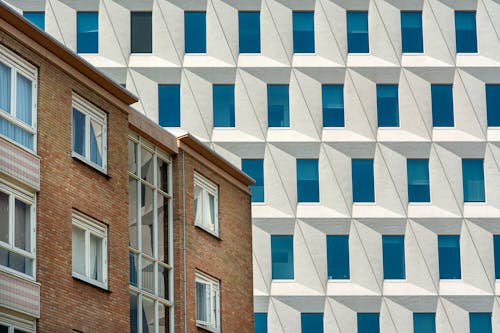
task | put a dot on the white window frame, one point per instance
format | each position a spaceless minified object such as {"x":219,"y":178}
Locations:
{"x":13,"y":323}
{"x":202,"y":219}
{"x":91,"y":226}
{"x":213,"y":324}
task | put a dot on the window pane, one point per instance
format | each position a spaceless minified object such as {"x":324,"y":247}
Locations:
{"x":96,"y":142}
{"x":223,"y":104}
{"x":162,"y":281}
{"x":393,"y":248}
{"x":132,"y":157}
{"x":480,"y":322}
{"x":255,"y":169}
{"x":442,"y":105}
{"x":37,"y":18}
{"x":78,"y":132}
{"x":141,"y":32}
{"x":4,"y":329}
{"x":132,"y":212}
{"x":198,"y":205}
{"x":303,"y":32}
{"x":78,"y":238}
{"x":449,"y":257}
{"x":162,"y":174}
{"x":249,"y":32}
{"x":473,"y":180}
{"x":418,"y":180}
{"x":362,"y":181}
{"x":16,"y":262}
{"x":16,"y":134}
{"x":87,"y":32}
{"x":465,"y":31}
{"x":311,"y":322}
{"x":195,"y":32}
{"x":162,"y":215}
{"x":260,"y":322}
{"x":278,"y":106}
{"x":282,"y":256}
{"x":24,"y":107}
{"x":387,"y":106}
{"x":148,"y":275}
{"x":133,"y":277}
{"x":493,"y":104}
{"x":357,"y":32}
{"x":424,"y":323}
{"x":96,"y":263}
{"x":4,"y":217}
{"x":148,"y":316}
{"x":333,"y":105}
{"x":211,"y":207}
{"x":134,"y":323}
{"x":23,"y":226}
{"x":147,"y":220}
{"x":368,"y":323}
{"x":147,"y":166}
{"x":202,"y":302}
{"x":163,"y":322}
{"x":411,"y":32}
{"x":307,"y":181}
{"x":496,"y":247}
{"x":5,"y":82}
{"x":169,"y":105}
{"x":337,"y":248}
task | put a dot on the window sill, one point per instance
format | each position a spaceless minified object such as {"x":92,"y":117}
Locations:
{"x":208,"y":328}
{"x":339,"y":280}
{"x":208,"y":231}
{"x":92,"y":165}
{"x":94,"y":283}
{"x":283,"y":280}
{"x":18,"y":275}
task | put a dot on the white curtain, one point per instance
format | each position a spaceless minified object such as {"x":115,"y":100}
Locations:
{"x":5,"y":88}
{"x":23,"y":99}
{"x":22,"y":229}
{"x":95,"y":258}
{"x":201,"y":302}
{"x":78,"y":237}
{"x":198,"y":205}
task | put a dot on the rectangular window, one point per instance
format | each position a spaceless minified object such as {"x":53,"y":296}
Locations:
{"x":303,"y":32}
{"x":333,"y":105}
{"x":207,"y":303}
{"x":362,"y":181}
{"x":449,"y":257}
{"x":223,"y":104}
{"x":368,"y":323}
{"x":357,"y":32}
{"x":311,"y":322}
{"x":337,"y":248}
{"x":493,"y":104}
{"x":255,"y":169}
{"x":206,"y":200}
{"x":260,"y":322}
{"x":473,"y":180}
{"x":442,"y":105}
{"x":411,"y":32}
{"x":282,"y":257}
{"x":87,"y":40}
{"x":424,"y":322}
{"x":465,"y":32}
{"x":393,"y":249}
{"x":496,"y":253}
{"x":141,"y":32}
{"x":195,"y":35}
{"x":307,"y":181}
{"x":418,"y":180}
{"x":11,"y":324}
{"x":480,"y":322}
{"x":36,"y":18}
{"x":169,"y":105}
{"x":387,"y":105}
{"x":278,"y":106}
{"x":249,"y":32}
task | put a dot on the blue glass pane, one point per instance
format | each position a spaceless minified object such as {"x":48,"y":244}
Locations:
{"x":132,"y":258}
{"x":195,"y":36}
{"x":134,"y":322}
{"x":37,"y":18}
{"x":24,"y":106}
{"x":260,"y":322}
{"x":387,"y":105}
{"x":449,"y":257}
{"x":311,"y":322}
{"x":480,"y":322}
{"x":493,"y":104}
{"x":362,"y":181}
{"x":277,"y":106}
{"x":255,"y":169}
{"x":303,"y":32}
{"x":223,"y":104}
{"x":418,"y":180}
{"x":16,"y":134}
{"x":282,"y":257}
{"x":249,"y":29}
{"x":141,"y":32}
{"x":169,"y":105}
{"x":333,"y":105}
{"x":473,"y":180}
{"x":87,"y":32}
{"x":442,"y":105}
{"x":337,"y":248}
{"x":496,"y":247}
{"x":465,"y":30}
{"x":393,"y":248}
{"x":307,"y":181}
{"x":78,"y":132}
{"x":424,"y":323}
{"x":368,"y":323}
{"x":5,"y":87}
{"x":411,"y":32}
{"x":357,"y":32}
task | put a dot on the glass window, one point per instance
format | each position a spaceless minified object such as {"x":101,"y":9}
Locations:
{"x":411,"y":32}
{"x":333,"y":105}
{"x":473,"y":180}
{"x":87,"y":32}
{"x":277,"y":106}
{"x":141,"y":32}
{"x":442,"y":105}
{"x":169,"y":105}
{"x":37,"y":18}
{"x":249,"y":29}
{"x":307,"y":181}
{"x":480,"y":322}
{"x":311,"y":322}
{"x":424,"y":322}
{"x":206,"y":204}
{"x":303,"y":32}
{"x":368,"y":323}
{"x":418,"y":180}
{"x":393,"y":249}
{"x":195,"y":36}
{"x":11,"y":324}
{"x":207,"y":303}
{"x":255,"y":169}
{"x":362,"y":181}
{"x":223,"y":104}
{"x":449,"y":257}
{"x":282,"y":257}
{"x":493,"y":104}
{"x":387,"y":105}
{"x":260,"y":322}
{"x":496,"y":252}
{"x":465,"y":32}
{"x":357,"y":32}
{"x":337,"y":247}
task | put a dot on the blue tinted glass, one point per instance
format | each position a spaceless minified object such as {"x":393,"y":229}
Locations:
{"x":473,"y":180}
{"x":424,"y":323}
{"x":362,"y":181}
{"x":249,"y":28}
{"x":260,"y":322}
{"x":496,"y":249}
{"x":357,"y":32}
{"x":333,"y":105}
{"x":5,"y":86}
{"x":387,"y":105}
{"x":311,"y":322}
{"x":303,"y":32}
{"x":411,"y":32}
{"x":442,"y":105}
{"x":282,"y":257}
{"x":493,"y":104}
{"x":78,"y":132}
{"x":480,"y":322}
{"x":337,"y":247}
{"x":465,"y":32}
{"x":195,"y":36}
{"x":393,"y":249}
{"x":223,"y":104}
{"x":37,"y":18}
{"x":277,"y":106}
{"x":141,"y":32}
{"x":418,"y":181}
{"x":87,"y":32}
{"x":255,"y":169}
{"x":307,"y":181}
{"x":368,"y":323}
{"x":169,"y":105}
{"x":449,"y":257}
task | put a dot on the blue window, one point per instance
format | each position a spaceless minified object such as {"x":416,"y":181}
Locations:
{"x":424,"y":323}
{"x":357,"y":32}
{"x":249,"y":29}
{"x":393,"y":248}
{"x":141,"y":32}
{"x":260,"y":322}
{"x":87,"y":32}
{"x":337,"y":248}
{"x":480,"y":322}
{"x":411,"y":32}
{"x":282,"y":257}
{"x":37,"y":18}
{"x":473,"y":180}
{"x":278,"y":106}
{"x":368,"y":323}
{"x":307,"y":181}
{"x":169,"y":105}
{"x":387,"y":105}
{"x":418,"y":180}
{"x":442,"y":105}
{"x":333,"y":105}
{"x":195,"y":32}
{"x":223,"y":99}
{"x":449,"y":257}
{"x":493,"y":104}
{"x":496,"y":252}
{"x":465,"y":32}
{"x":311,"y":322}
{"x":255,"y":169}
{"x":362,"y":181}
{"x":303,"y":32}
